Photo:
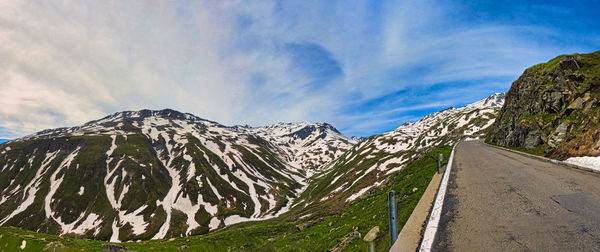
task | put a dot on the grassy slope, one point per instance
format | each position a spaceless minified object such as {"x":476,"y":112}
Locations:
{"x":276,"y":234}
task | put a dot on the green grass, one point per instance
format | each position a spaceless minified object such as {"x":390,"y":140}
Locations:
{"x":280,"y":234}
{"x":545,"y":117}
{"x":547,"y":66}
{"x":538,"y":150}
{"x":11,"y":239}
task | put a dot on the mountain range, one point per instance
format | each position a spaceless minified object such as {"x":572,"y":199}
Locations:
{"x":158,"y":174}
{"x":139,"y":175}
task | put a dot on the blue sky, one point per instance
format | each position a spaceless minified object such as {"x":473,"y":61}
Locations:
{"x":364,"y":66}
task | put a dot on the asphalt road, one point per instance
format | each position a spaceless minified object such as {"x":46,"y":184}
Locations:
{"x":502,"y":201}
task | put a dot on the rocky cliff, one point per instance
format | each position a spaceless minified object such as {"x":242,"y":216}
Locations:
{"x":552,"y":109}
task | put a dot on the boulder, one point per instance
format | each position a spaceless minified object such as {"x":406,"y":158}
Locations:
{"x":577,"y":104}
{"x":372,"y":234}
{"x":558,"y":135}
{"x":532,"y":140}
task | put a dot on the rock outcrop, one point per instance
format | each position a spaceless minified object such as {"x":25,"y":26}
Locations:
{"x":553,"y":108}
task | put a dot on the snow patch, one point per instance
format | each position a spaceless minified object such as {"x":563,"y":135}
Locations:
{"x":214,"y":223}
{"x":134,"y":219}
{"x":115,"y":232}
{"x":233,"y":219}
{"x":55,"y":183}
{"x":92,"y":221}
{"x":586,"y":161}
{"x":362,"y":191}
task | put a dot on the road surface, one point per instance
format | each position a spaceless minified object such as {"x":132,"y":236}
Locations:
{"x":502,"y":201}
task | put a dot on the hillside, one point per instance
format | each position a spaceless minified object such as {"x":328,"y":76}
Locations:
{"x":341,"y":230}
{"x":146,"y":174}
{"x":552,"y":109}
{"x":370,"y":163}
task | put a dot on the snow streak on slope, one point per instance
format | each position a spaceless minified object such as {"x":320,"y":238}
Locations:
{"x":29,"y":192}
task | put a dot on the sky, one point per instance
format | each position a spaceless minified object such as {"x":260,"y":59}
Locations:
{"x":366,"y":67}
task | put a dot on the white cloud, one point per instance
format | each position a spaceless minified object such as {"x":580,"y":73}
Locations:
{"x":68,"y":62}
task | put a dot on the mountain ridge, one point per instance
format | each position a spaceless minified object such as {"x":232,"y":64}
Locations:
{"x":154,"y":174}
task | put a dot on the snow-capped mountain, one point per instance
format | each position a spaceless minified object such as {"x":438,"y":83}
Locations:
{"x":157,"y":174}
{"x":357,"y":138}
{"x":370,"y":162}
{"x":310,"y":144}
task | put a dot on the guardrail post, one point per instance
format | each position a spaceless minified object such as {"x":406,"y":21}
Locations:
{"x":439,"y":161}
{"x":392,"y":216}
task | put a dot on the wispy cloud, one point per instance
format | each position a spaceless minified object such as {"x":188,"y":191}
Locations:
{"x":364,"y":66}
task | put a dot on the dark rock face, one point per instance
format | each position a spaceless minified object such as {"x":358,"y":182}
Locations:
{"x":308,"y":130}
{"x":359,"y":138}
{"x":553,"y":104}
{"x":303,"y":133}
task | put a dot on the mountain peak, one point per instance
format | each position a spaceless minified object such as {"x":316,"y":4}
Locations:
{"x":308,"y":141}
{"x":358,"y":138}
{"x":495,"y":100}
{"x":145,"y":113}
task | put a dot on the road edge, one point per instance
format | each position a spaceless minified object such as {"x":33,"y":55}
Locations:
{"x":554,"y":161}
{"x":436,"y":211}
{"x":409,"y":238}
